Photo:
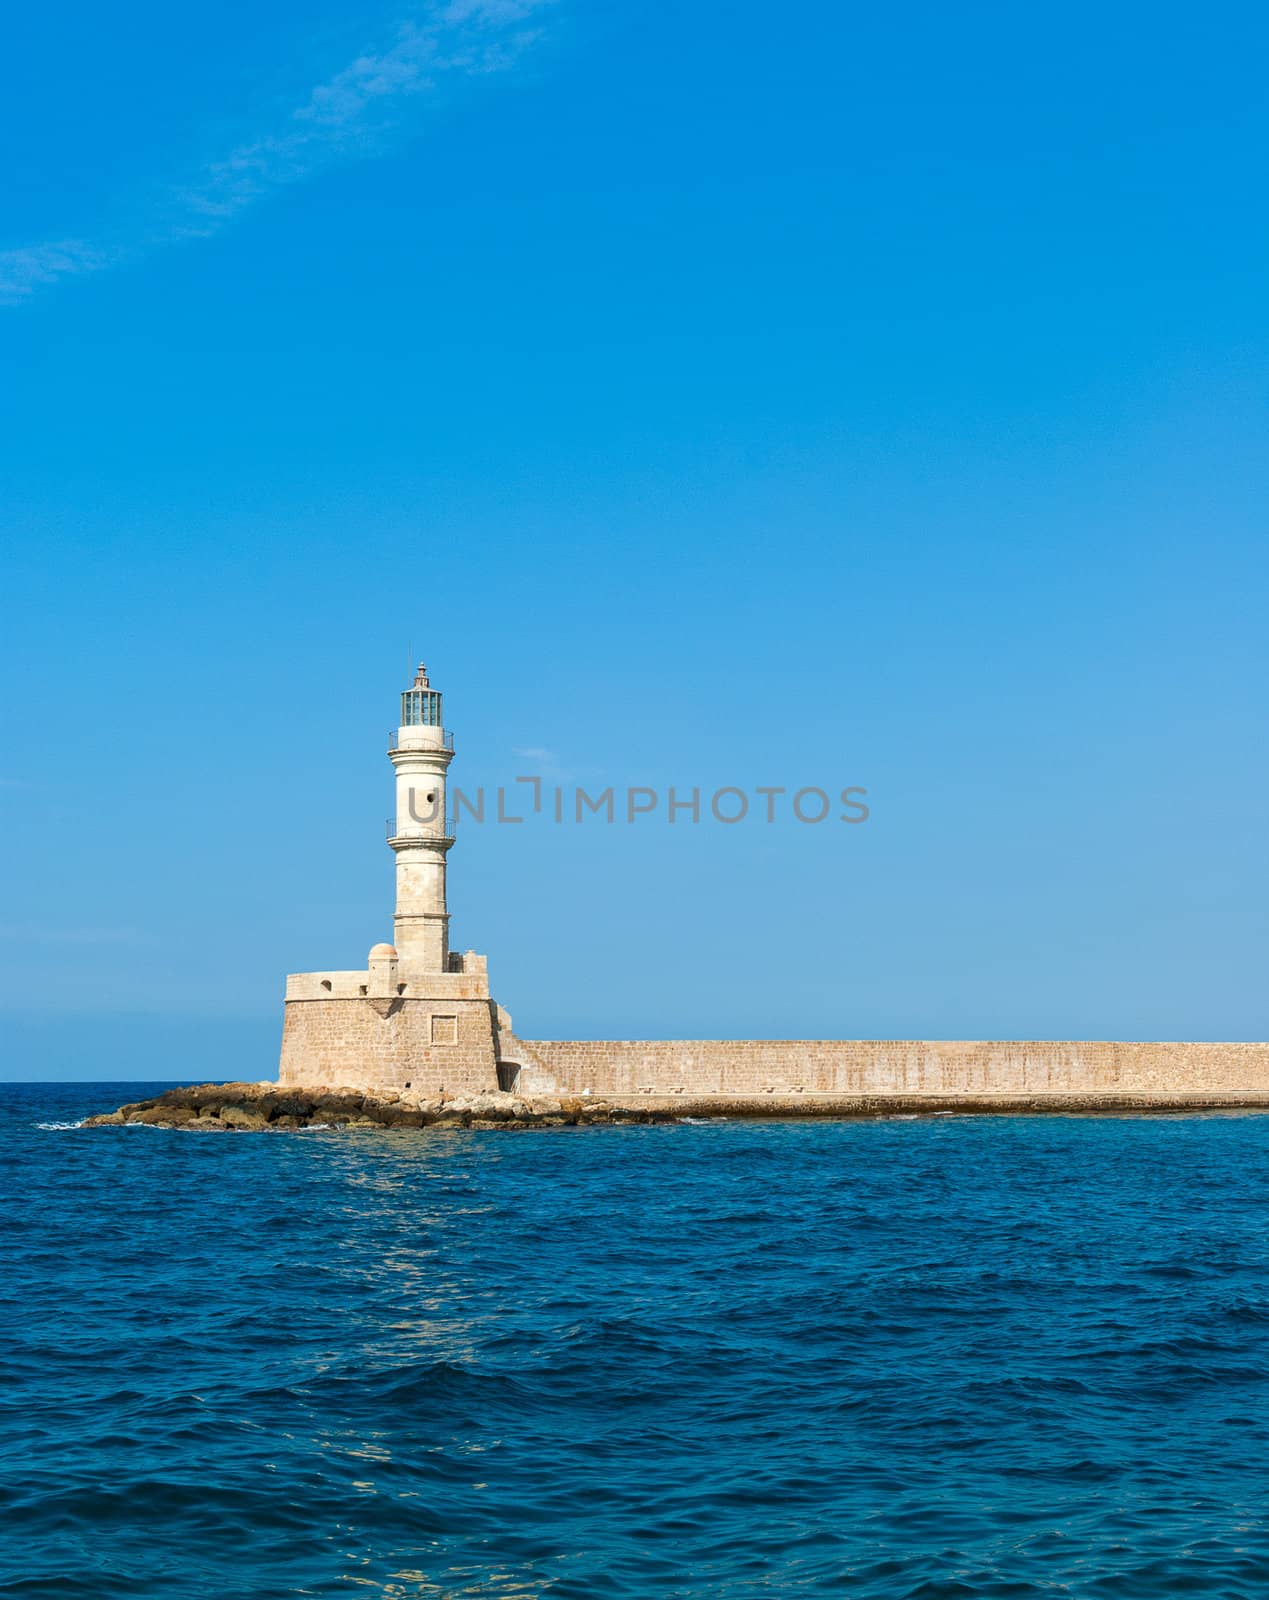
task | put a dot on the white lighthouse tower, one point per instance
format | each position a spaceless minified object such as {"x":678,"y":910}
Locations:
{"x":421,"y":753}
{"x":418,"y":1017}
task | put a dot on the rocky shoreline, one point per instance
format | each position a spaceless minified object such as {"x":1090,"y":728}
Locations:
{"x":260,"y":1107}
{"x":270,"y":1107}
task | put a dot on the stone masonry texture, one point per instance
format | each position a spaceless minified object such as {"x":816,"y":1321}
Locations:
{"x":391,"y":1044}
{"x":751,"y":1068}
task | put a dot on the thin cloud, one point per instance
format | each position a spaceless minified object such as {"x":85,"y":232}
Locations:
{"x":350,"y":116}
{"x":33,"y":267}
{"x":545,"y":761}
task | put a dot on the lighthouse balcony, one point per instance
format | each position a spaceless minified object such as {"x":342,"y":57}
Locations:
{"x":421,"y":737}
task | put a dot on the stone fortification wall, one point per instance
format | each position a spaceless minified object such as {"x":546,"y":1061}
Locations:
{"x":751,"y":1068}
{"x":444,"y":1043}
{"x":454,"y":1041}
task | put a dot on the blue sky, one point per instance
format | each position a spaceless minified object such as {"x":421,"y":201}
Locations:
{"x":831,"y":396}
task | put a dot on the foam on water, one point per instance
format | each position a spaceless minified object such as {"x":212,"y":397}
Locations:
{"x":977,"y":1357}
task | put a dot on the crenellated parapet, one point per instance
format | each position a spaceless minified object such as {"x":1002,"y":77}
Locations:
{"x":387,"y":977}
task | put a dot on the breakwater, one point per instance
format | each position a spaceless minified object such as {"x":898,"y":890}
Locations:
{"x":260,"y":1107}
{"x":962,"y":1069}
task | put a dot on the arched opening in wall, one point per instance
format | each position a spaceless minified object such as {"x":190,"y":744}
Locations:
{"x":362,"y":989}
{"x":400,"y":988}
{"x":509,"y":1076}
{"x":326,"y":985}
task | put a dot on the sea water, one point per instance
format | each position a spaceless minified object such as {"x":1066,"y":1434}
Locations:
{"x":926,"y":1357}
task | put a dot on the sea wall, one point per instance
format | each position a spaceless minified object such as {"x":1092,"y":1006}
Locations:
{"x":752,"y":1068}
{"x":455,"y":1042}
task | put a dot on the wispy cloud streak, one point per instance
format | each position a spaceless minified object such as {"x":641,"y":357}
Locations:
{"x":351,"y":115}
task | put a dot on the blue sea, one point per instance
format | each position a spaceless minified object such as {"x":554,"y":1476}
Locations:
{"x":930,"y":1357}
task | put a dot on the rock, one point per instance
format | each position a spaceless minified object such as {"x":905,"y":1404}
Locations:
{"x":246,"y":1118}
{"x":492,"y":1107}
{"x":398,"y":1116}
{"x":156,"y":1116}
{"x":333,"y":1104}
{"x":210,"y":1096}
{"x":253,"y":1107}
{"x":178,"y":1116}
{"x":287,"y":1104}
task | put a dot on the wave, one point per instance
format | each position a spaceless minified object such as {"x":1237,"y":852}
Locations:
{"x":1032,"y":1358}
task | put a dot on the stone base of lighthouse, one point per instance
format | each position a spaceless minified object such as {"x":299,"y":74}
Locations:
{"x":388,"y":1028}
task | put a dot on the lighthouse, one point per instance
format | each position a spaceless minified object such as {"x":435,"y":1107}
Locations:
{"x":421,"y":752}
{"x":418,"y":1017}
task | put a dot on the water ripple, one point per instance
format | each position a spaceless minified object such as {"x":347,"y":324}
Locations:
{"x":914,"y":1358}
